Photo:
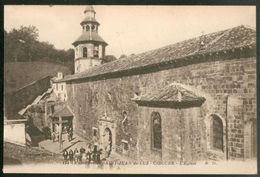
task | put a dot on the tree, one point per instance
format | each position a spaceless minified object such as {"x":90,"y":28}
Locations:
{"x":108,"y":58}
{"x":22,"y":44}
{"x":7,"y":46}
{"x":19,"y":43}
{"x":122,"y":56}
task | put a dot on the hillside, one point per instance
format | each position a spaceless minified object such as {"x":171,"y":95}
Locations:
{"x":20,"y":74}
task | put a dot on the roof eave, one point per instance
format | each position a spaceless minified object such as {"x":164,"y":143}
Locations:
{"x":172,"y":104}
{"x":89,"y":21}
{"x":200,"y":56}
{"x":75,"y":43}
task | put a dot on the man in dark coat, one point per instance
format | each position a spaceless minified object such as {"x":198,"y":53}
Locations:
{"x":71,"y":156}
{"x":81,"y":152}
{"x":99,"y":152}
{"x":89,"y":153}
{"x":65,"y":156}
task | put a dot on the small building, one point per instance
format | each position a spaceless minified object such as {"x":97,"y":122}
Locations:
{"x":14,"y":131}
{"x":59,"y":88}
{"x":61,"y":118}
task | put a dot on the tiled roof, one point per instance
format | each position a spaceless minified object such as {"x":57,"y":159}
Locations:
{"x":172,"y":95}
{"x":234,"y":38}
{"x":64,"y":112}
{"x":89,"y":36}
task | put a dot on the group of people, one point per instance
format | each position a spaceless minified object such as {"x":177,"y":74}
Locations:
{"x":90,"y":155}
{"x":68,"y":130}
{"x":69,"y":133}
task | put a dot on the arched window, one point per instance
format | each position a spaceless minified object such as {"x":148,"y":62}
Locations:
{"x":217,"y":133}
{"x":85,"y":52}
{"x":156,"y":131}
{"x":87,"y":28}
{"x":93,"y":27}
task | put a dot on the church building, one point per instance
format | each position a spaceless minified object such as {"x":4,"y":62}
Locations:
{"x":189,"y":101}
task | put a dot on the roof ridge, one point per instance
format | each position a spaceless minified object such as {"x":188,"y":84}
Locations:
{"x":174,"y":51}
{"x":218,"y":37}
{"x":188,"y":88}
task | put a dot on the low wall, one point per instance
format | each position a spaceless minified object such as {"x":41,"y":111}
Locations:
{"x":14,"y":131}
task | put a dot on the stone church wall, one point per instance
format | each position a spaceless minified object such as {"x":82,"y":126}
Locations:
{"x":217,"y":81}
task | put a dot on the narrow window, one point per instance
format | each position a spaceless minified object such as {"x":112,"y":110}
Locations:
{"x":87,"y":28}
{"x":217,"y":133}
{"x":85,"y":52}
{"x":94,"y":131}
{"x":156,"y":131}
{"x":52,"y":109}
{"x":80,"y":110}
{"x":96,"y":51}
{"x":93,"y":27}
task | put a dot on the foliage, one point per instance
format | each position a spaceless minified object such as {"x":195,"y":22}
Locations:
{"x":23,"y":45}
{"x":122,"y":56}
{"x":108,"y":58}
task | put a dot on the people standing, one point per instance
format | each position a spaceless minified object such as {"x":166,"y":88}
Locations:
{"x":81,"y":153}
{"x":89,"y":153}
{"x":95,"y":154}
{"x":53,"y":136}
{"x":70,"y":134}
{"x":76,"y":155}
{"x":65,"y":156}
{"x":99,"y":152}
{"x":71,"y":156}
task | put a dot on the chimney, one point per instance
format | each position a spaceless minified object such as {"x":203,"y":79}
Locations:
{"x":60,"y":75}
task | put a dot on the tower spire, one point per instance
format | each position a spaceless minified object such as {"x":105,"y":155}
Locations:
{"x":89,"y":46}
{"x":89,"y":9}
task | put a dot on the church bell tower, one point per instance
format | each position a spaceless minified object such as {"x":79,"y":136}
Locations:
{"x":89,"y":47}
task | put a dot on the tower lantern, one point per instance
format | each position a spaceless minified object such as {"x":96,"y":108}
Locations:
{"x":89,"y":46}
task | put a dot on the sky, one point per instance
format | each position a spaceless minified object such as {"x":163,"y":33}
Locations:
{"x":128,"y":29}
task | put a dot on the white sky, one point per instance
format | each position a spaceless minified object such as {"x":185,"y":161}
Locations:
{"x":129,"y":29}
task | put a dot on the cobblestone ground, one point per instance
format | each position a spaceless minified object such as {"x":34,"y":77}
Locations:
{"x":48,"y":152}
{"x":54,"y":147}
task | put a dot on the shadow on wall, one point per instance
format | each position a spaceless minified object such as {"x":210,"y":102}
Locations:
{"x":36,"y":134}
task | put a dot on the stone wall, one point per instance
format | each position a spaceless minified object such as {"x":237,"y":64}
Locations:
{"x":216,"y":81}
{"x":14,"y":132}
